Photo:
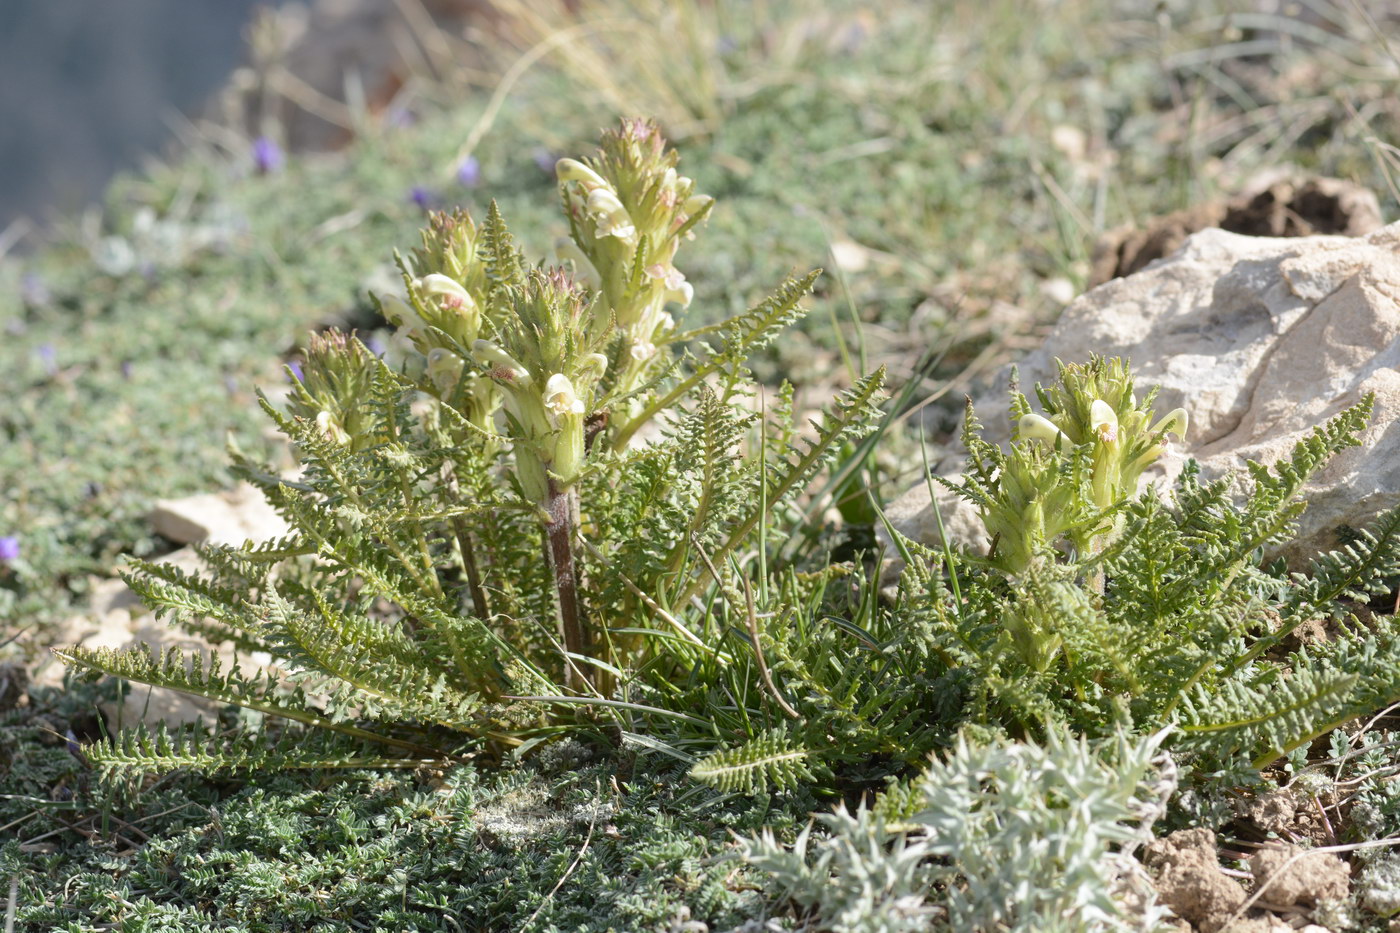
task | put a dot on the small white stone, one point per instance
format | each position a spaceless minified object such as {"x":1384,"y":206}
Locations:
{"x":1071,"y":141}
{"x":850,"y":256}
{"x":1059,"y":290}
{"x":230,"y":517}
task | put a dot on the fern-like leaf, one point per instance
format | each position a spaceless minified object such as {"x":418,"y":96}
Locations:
{"x":770,"y":758}
{"x":1356,"y":571}
{"x":853,"y":414}
{"x":195,"y":674}
{"x":194,"y":746}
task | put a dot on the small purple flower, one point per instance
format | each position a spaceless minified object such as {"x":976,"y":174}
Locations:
{"x":376,"y":345}
{"x":853,"y":37}
{"x":422,"y":197}
{"x":267,"y":155}
{"x":469,"y":172}
{"x":9,"y":549}
{"x":297,"y":373}
{"x":544,"y":159}
{"x":49,"y":357}
{"x":126,"y":369}
{"x":726,"y":45}
{"x":400,"y":117}
{"x":33,"y":291}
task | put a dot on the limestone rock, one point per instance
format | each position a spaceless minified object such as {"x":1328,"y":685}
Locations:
{"x":1260,"y":340}
{"x":230,"y":517}
{"x":915,"y":518}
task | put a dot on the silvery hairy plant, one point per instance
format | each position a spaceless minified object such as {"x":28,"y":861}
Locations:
{"x":484,"y":553}
{"x":997,"y":836}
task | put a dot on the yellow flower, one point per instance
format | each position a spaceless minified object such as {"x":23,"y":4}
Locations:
{"x":501,"y":366}
{"x":609,"y":215}
{"x":1172,"y":423}
{"x":442,"y":286}
{"x":559,"y":396}
{"x":574,"y":170}
{"x":1104,"y":421}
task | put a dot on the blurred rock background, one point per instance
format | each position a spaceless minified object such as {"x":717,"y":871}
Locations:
{"x":87,"y":88}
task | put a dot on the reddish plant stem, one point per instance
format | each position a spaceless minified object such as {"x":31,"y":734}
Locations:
{"x":559,"y":535}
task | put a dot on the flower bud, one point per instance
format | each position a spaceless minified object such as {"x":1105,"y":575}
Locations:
{"x":573,"y":170}
{"x":399,"y":312}
{"x":444,"y":369}
{"x":604,"y":201}
{"x":330,"y":427}
{"x":1040,"y":428}
{"x":696,"y":203}
{"x":592,"y":368}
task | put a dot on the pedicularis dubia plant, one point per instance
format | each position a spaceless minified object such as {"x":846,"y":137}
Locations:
{"x":1097,"y":605}
{"x":555,"y":509}
{"x":551,"y":510}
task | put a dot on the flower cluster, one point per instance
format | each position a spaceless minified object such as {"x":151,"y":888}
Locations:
{"x":534,"y":356}
{"x":1069,"y":469}
{"x":1094,"y":404}
{"x":444,"y":311}
{"x":628,"y":212}
{"x":332,"y":388}
{"x":547,"y":362}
